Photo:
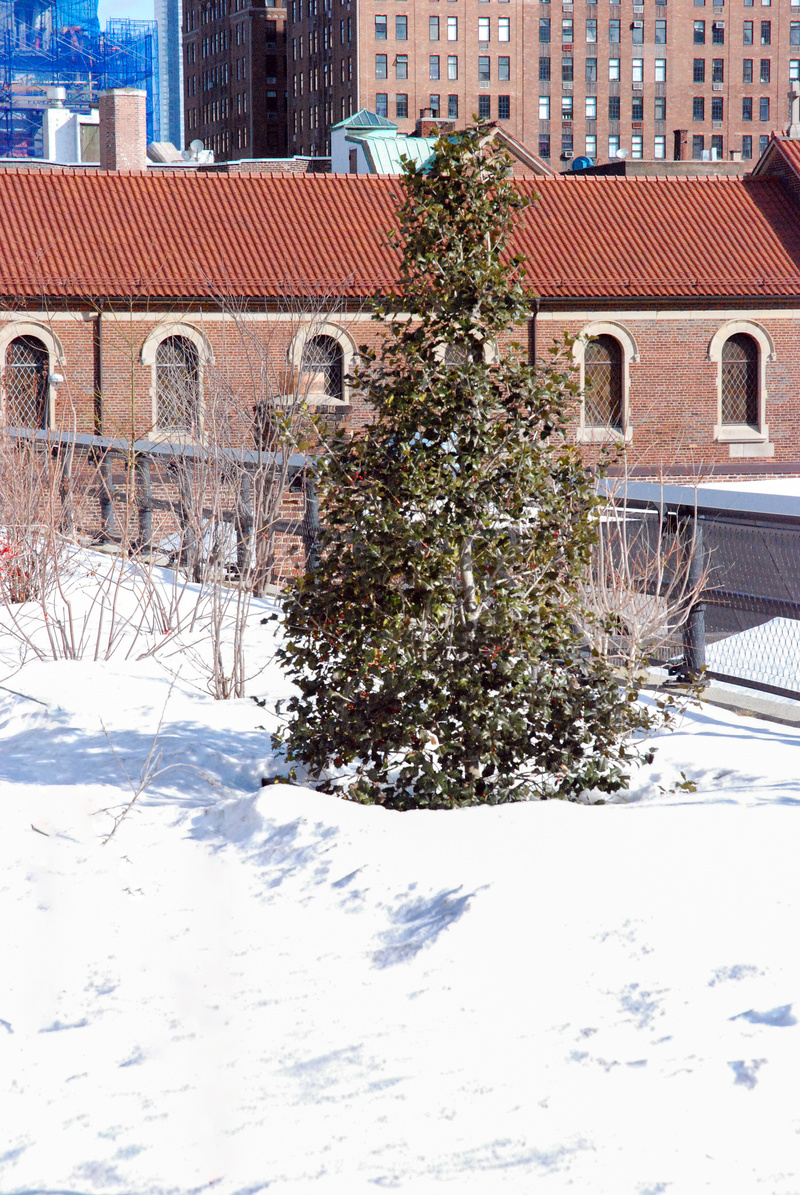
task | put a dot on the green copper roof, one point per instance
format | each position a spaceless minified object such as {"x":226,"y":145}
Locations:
{"x":365,"y":120}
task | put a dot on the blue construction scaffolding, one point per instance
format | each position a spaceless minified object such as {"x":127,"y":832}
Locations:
{"x":58,"y":43}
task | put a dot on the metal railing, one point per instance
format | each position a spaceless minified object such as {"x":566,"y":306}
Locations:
{"x":744,"y":625}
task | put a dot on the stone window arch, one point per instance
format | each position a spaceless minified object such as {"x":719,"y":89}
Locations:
{"x":741,"y":350}
{"x":178,"y":355}
{"x":604,"y":352}
{"x":321,"y":356}
{"x":30,"y":356}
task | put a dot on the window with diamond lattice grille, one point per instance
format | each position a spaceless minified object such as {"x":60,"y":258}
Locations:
{"x":177,"y":377}
{"x":602,"y":361}
{"x":322,"y":367}
{"x":740,"y":380}
{"x":26,"y":382}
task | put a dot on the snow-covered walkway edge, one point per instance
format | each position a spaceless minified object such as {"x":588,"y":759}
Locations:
{"x":256,"y":988}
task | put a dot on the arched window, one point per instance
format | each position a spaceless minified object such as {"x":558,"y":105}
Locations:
{"x":26,"y":387}
{"x":322,"y":366}
{"x":740,"y":380}
{"x":602,"y":362}
{"x":177,"y":385}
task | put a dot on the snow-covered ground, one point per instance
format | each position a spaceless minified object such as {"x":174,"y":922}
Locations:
{"x":254,"y":989}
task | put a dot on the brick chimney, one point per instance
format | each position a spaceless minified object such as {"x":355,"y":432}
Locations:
{"x":123,"y":129}
{"x":429,"y":125}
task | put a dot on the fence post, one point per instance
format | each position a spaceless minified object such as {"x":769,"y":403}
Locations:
{"x":64,"y":456}
{"x":311,"y":524}
{"x":144,"y":501}
{"x":244,"y":523}
{"x":105,"y":472}
{"x":694,"y":629}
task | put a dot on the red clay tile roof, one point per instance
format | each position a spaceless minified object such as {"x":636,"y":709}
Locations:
{"x":92,"y":233}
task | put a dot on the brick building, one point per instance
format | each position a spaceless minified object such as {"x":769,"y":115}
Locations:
{"x":657,"y":79}
{"x":234,"y":69}
{"x":684,"y":293}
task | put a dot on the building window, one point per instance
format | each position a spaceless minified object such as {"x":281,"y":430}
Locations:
{"x":484,"y":68}
{"x":716,"y":148}
{"x":747,"y":33}
{"x":401,"y":66}
{"x":452,"y":107}
{"x":636,"y":146}
{"x":382,"y":103}
{"x":566,"y":107}
{"x":591,"y":31}
{"x":718,"y":70}
{"x":718,"y":33}
{"x":699,"y":33}
{"x":567,"y":35}
{"x":794,"y":33}
{"x":503,"y":68}
{"x":567,"y":70}
{"x":698,"y":108}
{"x":434,"y":104}
{"x":602,"y":364}
{"x":661,"y":33}
{"x":322,"y":369}
{"x":591,"y":145}
{"x":544,"y":29}
{"x":660,"y":107}
{"x":747,"y":107}
{"x":177,"y":385}
{"x":503,"y":29}
{"x":765,"y":70}
{"x":400,"y":28}
{"x":613,"y":145}
{"x":637,"y":70}
{"x":484,"y":107}
{"x":544,"y":145}
{"x":613,"y":70}
{"x":637,"y":107}
{"x":661,"y":70}
{"x":698,"y":145}
{"x":433,"y":28}
{"x":566,"y":146}
{"x":401,"y":106}
{"x":763,"y":142}
{"x":591,"y":107}
{"x":452,"y":28}
{"x":747,"y":70}
{"x":766,"y":33}
{"x":613,"y":32}
{"x":660,"y":148}
{"x":591,"y":70}
{"x":544,"y":107}
{"x":637,"y":33}
{"x":544,"y":70}
{"x":504,"y":107}
{"x":747,"y":147}
{"x":380,"y":28}
{"x":740,"y":380}
{"x":613,"y":107}
{"x":25,"y":382}
{"x":763,"y":108}
{"x":433,"y":66}
{"x":717,"y":107}
{"x":452,"y":66}
{"x":794,"y":70}
{"x":381,"y":61}
{"x":483,"y":29}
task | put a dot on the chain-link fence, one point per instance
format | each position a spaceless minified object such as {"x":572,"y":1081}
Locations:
{"x":740,"y":556}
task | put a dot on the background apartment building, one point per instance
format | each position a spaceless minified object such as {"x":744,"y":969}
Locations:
{"x":659,"y":79}
{"x":234,"y":65}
